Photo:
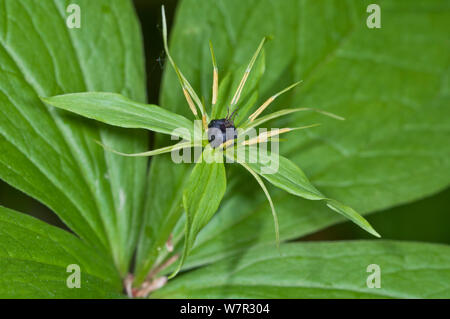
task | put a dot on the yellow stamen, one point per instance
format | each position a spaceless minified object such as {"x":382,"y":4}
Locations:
{"x":226,"y":144}
{"x":237,"y":95}
{"x":270,"y":100}
{"x":261,"y":109}
{"x":205,"y":125}
{"x":263,"y":137}
{"x":215,"y":86}
{"x":247,"y":72}
{"x":190,"y":93}
{"x":215,"y":75}
{"x":190,"y":102}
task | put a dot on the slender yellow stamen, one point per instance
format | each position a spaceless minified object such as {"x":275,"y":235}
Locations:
{"x":215,"y":87}
{"x":237,"y":95}
{"x":263,"y":137}
{"x":190,"y":102}
{"x":270,"y":100}
{"x":226,"y":144}
{"x":189,"y":93}
{"x":205,"y":125}
{"x":261,"y":109}
{"x":194,"y":96}
{"x":247,"y":72}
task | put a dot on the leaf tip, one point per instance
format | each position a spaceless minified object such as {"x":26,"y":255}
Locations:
{"x":374,"y":232}
{"x":44,"y":99}
{"x":101,"y":144}
{"x":174,"y":273}
{"x":180,"y":264}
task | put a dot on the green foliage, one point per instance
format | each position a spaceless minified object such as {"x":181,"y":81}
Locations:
{"x":202,"y":196}
{"x":162,"y":212}
{"x":115,"y":109}
{"x":322,"y":270}
{"x":391,"y":85}
{"x":34,"y":257}
{"x":52,"y":156}
{"x":292,"y":179}
{"x":407,"y":222}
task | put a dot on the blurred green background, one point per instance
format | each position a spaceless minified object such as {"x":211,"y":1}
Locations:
{"x":424,"y":220}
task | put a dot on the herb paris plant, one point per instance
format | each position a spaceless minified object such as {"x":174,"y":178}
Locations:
{"x":207,"y":182}
{"x":390,"y":84}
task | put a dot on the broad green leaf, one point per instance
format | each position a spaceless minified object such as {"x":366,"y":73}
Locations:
{"x":390,"y":85}
{"x":291,"y":178}
{"x":322,"y":270}
{"x":51,"y":155}
{"x":202,"y":196}
{"x":118,"y":110}
{"x":34,"y":258}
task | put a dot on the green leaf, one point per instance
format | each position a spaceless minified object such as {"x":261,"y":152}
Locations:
{"x":391,"y":149}
{"x":52,"y":156}
{"x":202,"y":196}
{"x":322,"y":270}
{"x":34,"y":258}
{"x":284,"y":174}
{"x":116,"y":109}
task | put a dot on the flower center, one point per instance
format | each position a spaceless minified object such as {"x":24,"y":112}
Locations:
{"x":220,"y":131}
